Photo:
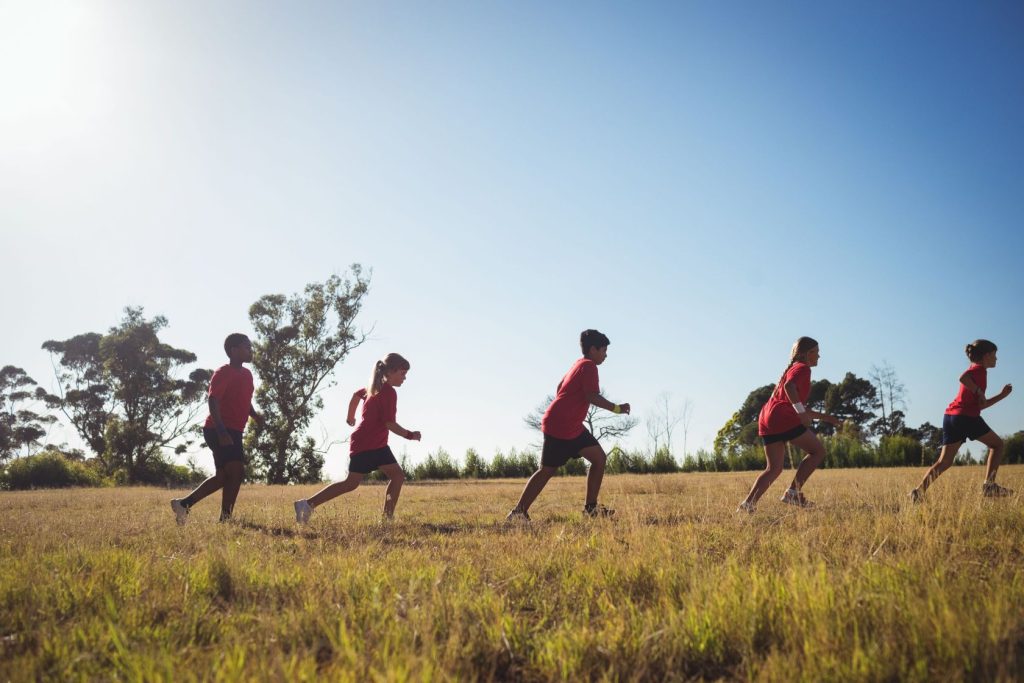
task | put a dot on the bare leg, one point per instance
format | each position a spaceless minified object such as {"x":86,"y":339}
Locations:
{"x":211,"y":485}
{"x":331,"y":491}
{"x":995,"y":454}
{"x":233,"y":472}
{"x":597,"y":458}
{"x":396,"y":477}
{"x":809,"y":442}
{"x":534,"y":486}
{"x":945,"y":461}
{"x":775,"y":453}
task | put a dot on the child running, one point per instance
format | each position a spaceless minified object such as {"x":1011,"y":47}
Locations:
{"x":783,"y":419}
{"x":230,"y":400}
{"x":963,"y":421}
{"x":565,"y":436}
{"x":369,"y":443}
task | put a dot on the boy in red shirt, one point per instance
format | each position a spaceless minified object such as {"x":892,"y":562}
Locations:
{"x":565,"y":436}
{"x":230,"y":400}
{"x":963,"y":421}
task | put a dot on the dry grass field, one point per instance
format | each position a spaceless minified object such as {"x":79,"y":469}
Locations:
{"x":100,"y":584}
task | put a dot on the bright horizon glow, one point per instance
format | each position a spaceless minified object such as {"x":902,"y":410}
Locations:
{"x":702,"y":183}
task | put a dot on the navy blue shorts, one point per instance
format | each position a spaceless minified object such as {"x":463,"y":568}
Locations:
{"x":365,"y":462}
{"x":557,"y":452}
{"x":784,"y":436}
{"x":959,"y":428}
{"x":223,"y":454}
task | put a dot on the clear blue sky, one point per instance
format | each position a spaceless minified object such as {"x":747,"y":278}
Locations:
{"x":703,"y":182}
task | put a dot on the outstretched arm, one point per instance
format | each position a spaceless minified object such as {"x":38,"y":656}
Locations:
{"x":401,"y":431}
{"x":352,"y":405}
{"x":600,"y":401}
{"x":983,"y":402}
{"x":805,"y":415}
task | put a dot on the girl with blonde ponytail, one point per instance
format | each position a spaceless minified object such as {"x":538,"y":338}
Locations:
{"x":783,"y":419}
{"x":369,"y":442}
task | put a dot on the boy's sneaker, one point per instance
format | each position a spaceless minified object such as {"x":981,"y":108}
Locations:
{"x":749,"y":508}
{"x":302,"y":511}
{"x":794,"y":497}
{"x":597,"y":510}
{"x":993,"y":490}
{"x":517,"y":515}
{"x":916,"y":496}
{"x":180,"y":511}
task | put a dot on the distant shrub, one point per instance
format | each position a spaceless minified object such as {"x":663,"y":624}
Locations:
{"x":638,"y":462}
{"x":49,"y":469}
{"x":437,"y":466}
{"x":899,"y":451}
{"x":512,"y":466}
{"x":474,"y":466}
{"x":1014,"y":453}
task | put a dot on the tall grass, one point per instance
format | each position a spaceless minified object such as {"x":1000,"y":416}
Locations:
{"x":100,"y":584}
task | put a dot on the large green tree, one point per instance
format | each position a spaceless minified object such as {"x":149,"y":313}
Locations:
{"x":299,"y":340}
{"x":21,"y":427}
{"x":123,"y":394}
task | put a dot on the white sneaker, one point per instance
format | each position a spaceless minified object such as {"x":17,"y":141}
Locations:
{"x":794,"y":497}
{"x":180,"y":511}
{"x":302,"y":511}
{"x":749,"y":508}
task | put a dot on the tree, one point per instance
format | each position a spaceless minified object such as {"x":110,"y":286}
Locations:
{"x":662,"y":422}
{"x":299,"y":341}
{"x":601,"y":423}
{"x":121,"y":393}
{"x":891,"y":396}
{"x":853,"y":399}
{"x":21,"y":428}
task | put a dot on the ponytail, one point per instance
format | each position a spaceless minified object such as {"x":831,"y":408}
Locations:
{"x":798,"y":353}
{"x":978,"y":349}
{"x":389,"y":363}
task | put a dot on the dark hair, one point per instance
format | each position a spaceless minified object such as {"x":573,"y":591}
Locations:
{"x":234,"y":339}
{"x":388,"y":363}
{"x":590,"y":338}
{"x":800,"y":348}
{"x":978,"y":349}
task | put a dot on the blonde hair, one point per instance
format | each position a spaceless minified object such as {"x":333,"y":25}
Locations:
{"x":389,"y":363}
{"x":799,"y":353}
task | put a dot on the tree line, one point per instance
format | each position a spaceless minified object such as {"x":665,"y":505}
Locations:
{"x":135,"y":400}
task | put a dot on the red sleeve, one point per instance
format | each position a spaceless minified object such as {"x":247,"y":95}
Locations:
{"x":588,"y":377}
{"x":801,"y":374}
{"x":389,"y":409}
{"x":218,"y":385}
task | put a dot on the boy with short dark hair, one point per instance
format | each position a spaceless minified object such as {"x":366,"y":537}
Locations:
{"x":230,"y":400}
{"x":565,"y":437}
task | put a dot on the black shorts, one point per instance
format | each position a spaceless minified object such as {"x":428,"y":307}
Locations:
{"x":365,"y":462}
{"x":784,"y":436}
{"x":223,"y":454}
{"x":557,"y":452}
{"x":959,"y":428}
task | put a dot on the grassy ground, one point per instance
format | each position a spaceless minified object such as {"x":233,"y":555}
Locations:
{"x":101,"y":584}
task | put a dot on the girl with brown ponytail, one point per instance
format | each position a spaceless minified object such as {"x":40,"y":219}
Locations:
{"x":369,"y":442}
{"x":963,"y":421}
{"x":783,"y":419}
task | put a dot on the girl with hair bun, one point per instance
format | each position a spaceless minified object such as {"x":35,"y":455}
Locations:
{"x":784,"y":419}
{"x":369,"y":442}
{"x":963,"y":421}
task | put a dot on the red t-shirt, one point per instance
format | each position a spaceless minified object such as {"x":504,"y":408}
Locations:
{"x":777,"y":415}
{"x":232,"y":387}
{"x":966,"y":402}
{"x":564,"y":417}
{"x":371,"y":432}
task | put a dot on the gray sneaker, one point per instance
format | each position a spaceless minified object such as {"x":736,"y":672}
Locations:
{"x":990,"y":489}
{"x":517,"y":515}
{"x":180,"y":511}
{"x":302,"y":511}
{"x":597,"y":510}
{"x":794,"y":497}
